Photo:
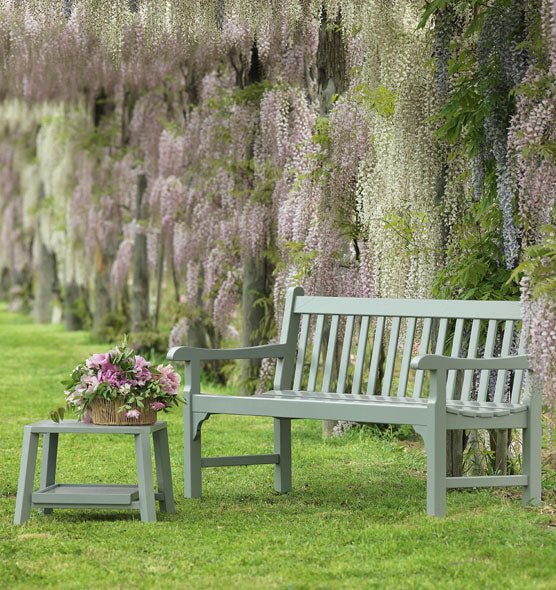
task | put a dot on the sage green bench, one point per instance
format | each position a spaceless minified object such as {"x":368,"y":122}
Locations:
{"x":353,"y":359}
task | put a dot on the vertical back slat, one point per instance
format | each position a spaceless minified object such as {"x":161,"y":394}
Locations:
{"x":518,"y":375}
{"x":315,"y":357}
{"x":471,"y":354}
{"x":456,"y":347}
{"x":505,"y":351}
{"x":375,"y":355}
{"x":489,"y":350}
{"x":423,"y":348}
{"x":330,"y":353}
{"x":344,"y":359}
{"x":301,"y":348}
{"x":406,"y":356}
{"x":360,"y":358}
{"x":288,"y":336}
{"x":441,"y":337}
{"x":391,"y":356}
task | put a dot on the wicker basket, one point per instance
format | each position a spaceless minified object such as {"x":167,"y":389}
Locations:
{"x":107,"y":412}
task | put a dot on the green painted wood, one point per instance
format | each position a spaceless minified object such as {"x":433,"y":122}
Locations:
{"x":519,"y":375}
{"x":192,"y":431}
{"x":81,"y":495}
{"x":431,"y":416}
{"x":283,"y":448}
{"x":487,"y":481}
{"x":240,"y":460}
{"x":406,"y":356}
{"x":330,"y":354}
{"x":76,"y":427}
{"x":186,"y":353}
{"x":145,"y":476}
{"x":301,"y":351}
{"x":163,"y":471}
{"x":435,"y":361}
{"x":345,"y":356}
{"x":315,"y":355}
{"x":504,"y":351}
{"x":423,"y":349}
{"x":360,"y":356}
{"x":532,"y":443}
{"x":471,"y":354}
{"x":456,"y":347}
{"x":391,"y":356}
{"x":48,"y":463}
{"x":288,"y":338}
{"x":489,"y":350}
{"x":418,"y":308}
{"x":29,"y":452}
{"x":375,"y":355}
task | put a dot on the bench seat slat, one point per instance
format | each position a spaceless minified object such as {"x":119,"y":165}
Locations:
{"x":300,"y":362}
{"x":344,"y":359}
{"x":423,"y":349}
{"x":471,"y":354}
{"x":456,"y":346}
{"x":360,"y":359}
{"x":330,"y":353}
{"x":505,"y":351}
{"x":489,"y":350}
{"x":406,"y":358}
{"x":375,"y":355}
{"x":317,"y":343}
{"x":391,"y":356}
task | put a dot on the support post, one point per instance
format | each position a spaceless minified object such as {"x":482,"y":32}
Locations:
{"x":48,"y":463}
{"x":283,"y":447}
{"x":192,"y":434}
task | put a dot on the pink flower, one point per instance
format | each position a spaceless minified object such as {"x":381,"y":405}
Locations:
{"x":157,"y":406}
{"x":169,"y":380}
{"x":140,"y":364}
{"x":98,"y":361}
{"x":90,"y":382}
{"x":133,"y":414}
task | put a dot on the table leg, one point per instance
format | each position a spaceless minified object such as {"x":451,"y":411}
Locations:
{"x":48,"y":464}
{"x":26,"y":475}
{"x":145,"y":477}
{"x":163,"y":469}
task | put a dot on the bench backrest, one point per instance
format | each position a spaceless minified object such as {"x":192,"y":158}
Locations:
{"x":364,"y":346}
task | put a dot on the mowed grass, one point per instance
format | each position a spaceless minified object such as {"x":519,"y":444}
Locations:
{"x":356,"y":517}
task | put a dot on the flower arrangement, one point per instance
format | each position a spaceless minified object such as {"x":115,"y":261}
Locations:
{"x":124,"y":379}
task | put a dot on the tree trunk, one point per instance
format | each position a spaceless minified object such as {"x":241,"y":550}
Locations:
{"x":102,"y":300}
{"x":76,"y":309}
{"x":254,"y":287}
{"x":46,"y":283}
{"x":140,"y":269}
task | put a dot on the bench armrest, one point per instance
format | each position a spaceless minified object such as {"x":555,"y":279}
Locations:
{"x":187,"y":353}
{"x":437,"y":361}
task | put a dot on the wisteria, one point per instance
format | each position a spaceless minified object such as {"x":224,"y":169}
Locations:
{"x":297,"y":141}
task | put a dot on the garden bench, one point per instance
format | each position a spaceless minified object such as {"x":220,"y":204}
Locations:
{"x":352,"y":359}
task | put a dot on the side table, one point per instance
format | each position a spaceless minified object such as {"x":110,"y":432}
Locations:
{"x":54,"y":495}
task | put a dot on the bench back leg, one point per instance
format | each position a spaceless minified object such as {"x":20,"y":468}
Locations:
{"x":283,"y":447}
{"x":532,"y":440}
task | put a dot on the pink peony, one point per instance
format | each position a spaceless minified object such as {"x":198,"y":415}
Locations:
{"x":157,"y":406}
{"x":169,"y":380}
{"x":133,"y":414}
{"x":98,"y":361}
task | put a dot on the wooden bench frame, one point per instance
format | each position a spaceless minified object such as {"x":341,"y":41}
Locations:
{"x":431,"y":417}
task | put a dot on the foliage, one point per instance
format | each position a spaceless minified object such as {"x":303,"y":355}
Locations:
{"x":474,"y":266}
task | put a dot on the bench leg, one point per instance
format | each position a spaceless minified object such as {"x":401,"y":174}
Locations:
{"x":435,"y":445}
{"x":283,"y":447}
{"x":163,"y":470}
{"x":26,"y":476}
{"x":145,"y":477}
{"x":48,"y":463}
{"x":532,"y":440}
{"x":192,"y":461}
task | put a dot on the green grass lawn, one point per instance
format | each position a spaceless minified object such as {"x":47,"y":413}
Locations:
{"x":356,"y":517}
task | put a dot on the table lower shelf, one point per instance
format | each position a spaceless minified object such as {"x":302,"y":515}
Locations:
{"x":88,"y":496}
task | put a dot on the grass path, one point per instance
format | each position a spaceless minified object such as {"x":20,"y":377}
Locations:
{"x":356,"y":518}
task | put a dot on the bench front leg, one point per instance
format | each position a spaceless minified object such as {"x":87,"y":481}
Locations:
{"x":283,"y":447}
{"x":532,"y":441}
{"x":435,"y":445}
